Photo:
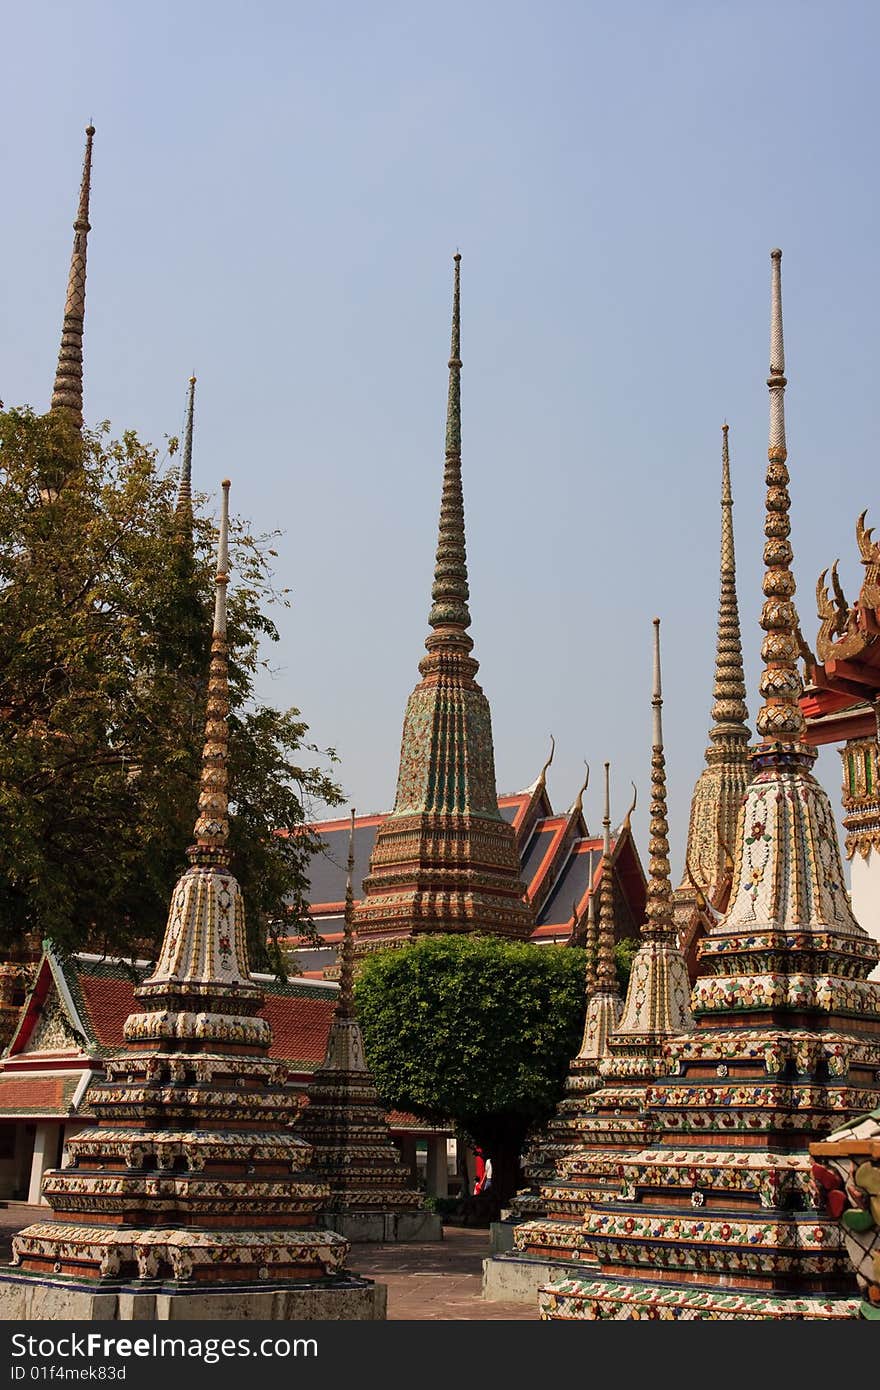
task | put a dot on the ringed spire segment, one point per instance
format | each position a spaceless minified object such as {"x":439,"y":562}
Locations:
{"x":67,"y":392}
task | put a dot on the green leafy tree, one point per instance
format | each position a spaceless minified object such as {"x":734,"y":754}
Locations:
{"x":105,"y":621}
{"x":477,"y":1030}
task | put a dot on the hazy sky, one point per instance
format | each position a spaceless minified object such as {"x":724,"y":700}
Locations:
{"x":278,"y":189}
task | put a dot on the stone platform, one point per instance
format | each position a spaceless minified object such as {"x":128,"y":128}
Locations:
{"x":376,"y":1227}
{"x":347,"y":1298}
{"x":516,"y":1278}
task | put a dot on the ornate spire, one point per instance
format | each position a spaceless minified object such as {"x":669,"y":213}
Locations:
{"x":445,"y":859}
{"x":658,"y":916}
{"x":606,"y":971}
{"x":212,"y":826}
{"x":204,"y":951}
{"x":603,"y":992}
{"x":657,"y":999}
{"x":183,"y":509}
{"x":449,"y":616}
{"x":729,"y":709}
{"x":780,"y":718}
{"x":67,"y":394}
{"x":592,"y":944}
{"x":345,"y":1005}
{"x":722,"y":783}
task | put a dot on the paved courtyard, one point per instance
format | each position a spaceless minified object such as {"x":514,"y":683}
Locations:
{"x":436,"y":1280}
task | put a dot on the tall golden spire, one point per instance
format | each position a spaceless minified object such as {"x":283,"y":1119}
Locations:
{"x":445,"y":859}
{"x":183,"y":509}
{"x":729,"y":709}
{"x":204,"y":952}
{"x":603,"y":992}
{"x":592,"y":944}
{"x":657,"y":1001}
{"x":659,"y":921}
{"x":721,"y":785}
{"x":450,"y":616}
{"x":212,"y":826}
{"x":345,"y":1004}
{"x":780,"y":718}
{"x":606,"y":970}
{"x":67,"y":394}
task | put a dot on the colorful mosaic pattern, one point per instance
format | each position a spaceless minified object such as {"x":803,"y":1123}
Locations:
{"x":861,"y":796}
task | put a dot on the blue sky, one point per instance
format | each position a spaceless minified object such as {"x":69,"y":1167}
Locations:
{"x":277,"y":193}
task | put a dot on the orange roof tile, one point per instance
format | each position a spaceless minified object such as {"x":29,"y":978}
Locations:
{"x":37,"y":1095}
{"x":299,"y":1027}
{"x":109,"y":1002}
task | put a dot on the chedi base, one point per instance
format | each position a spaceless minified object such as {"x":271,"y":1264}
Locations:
{"x":42,"y":1298}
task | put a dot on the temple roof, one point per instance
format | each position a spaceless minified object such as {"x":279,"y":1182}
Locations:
{"x":97,"y":995}
{"x":560,"y":865}
{"x":844,"y":673}
{"x":74,"y":1017}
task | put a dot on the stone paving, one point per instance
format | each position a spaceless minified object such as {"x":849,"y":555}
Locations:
{"x":435,"y":1280}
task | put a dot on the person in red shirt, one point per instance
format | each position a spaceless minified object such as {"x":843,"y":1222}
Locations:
{"x":480,"y":1170}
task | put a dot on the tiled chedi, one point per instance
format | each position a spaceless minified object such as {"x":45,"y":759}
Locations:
{"x":445,"y":860}
{"x":345,"y":1123}
{"x":719,"y":1216}
{"x":190,"y":1175}
{"x":544,"y":1195}
{"x":611,"y":1115}
{"x":554,"y":1195}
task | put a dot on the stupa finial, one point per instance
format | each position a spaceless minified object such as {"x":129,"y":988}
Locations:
{"x":183,"y":508}
{"x":606,"y":971}
{"x":729,"y":710}
{"x":781,"y":717}
{"x":450,"y":593}
{"x":212,"y":825}
{"x":345,"y":1006}
{"x":67,"y":393}
{"x":659,"y":921}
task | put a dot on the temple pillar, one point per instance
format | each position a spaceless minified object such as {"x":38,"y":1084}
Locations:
{"x":45,"y":1156}
{"x":407,"y":1145}
{"x":437,"y":1172}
